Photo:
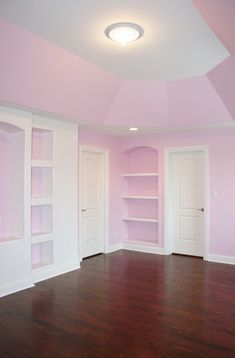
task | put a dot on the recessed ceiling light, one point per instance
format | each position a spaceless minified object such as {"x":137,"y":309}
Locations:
{"x":124,"y":32}
{"x":133,"y":129}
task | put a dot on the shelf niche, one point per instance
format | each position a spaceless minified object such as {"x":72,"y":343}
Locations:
{"x":41,"y":219}
{"x":42,"y":182}
{"x":42,"y":144}
{"x":140,"y":181}
{"x":12,"y":143}
{"x":42,"y":254}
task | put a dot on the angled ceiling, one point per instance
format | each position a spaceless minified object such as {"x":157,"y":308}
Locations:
{"x":173,"y":29}
{"x":181,"y":73}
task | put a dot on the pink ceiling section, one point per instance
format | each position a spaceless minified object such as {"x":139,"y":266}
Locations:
{"x":140,"y":102}
{"x":38,"y":74}
{"x":222,"y":78}
{"x":194,"y":100}
{"x":220,"y":16}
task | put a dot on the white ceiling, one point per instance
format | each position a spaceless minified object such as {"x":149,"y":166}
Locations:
{"x":177,"y":42}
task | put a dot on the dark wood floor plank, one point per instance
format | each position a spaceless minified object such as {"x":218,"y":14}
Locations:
{"x":125,"y":304}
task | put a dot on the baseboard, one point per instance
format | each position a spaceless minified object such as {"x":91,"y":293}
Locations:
{"x":113,"y":248}
{"x":16,"y":286}
{"x":45,"y":273}
{"x":222,"y":259}
{"x":143,"y":247}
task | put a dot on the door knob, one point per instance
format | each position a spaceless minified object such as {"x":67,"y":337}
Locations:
{"x":202,"y":209}
{"x":83,"y":209}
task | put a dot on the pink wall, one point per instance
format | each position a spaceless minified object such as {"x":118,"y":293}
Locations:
{"x":193,"y":101}
{"x":112,"y":143}
{"x":38,"y":74}
{"x":221,"y":144}
{"x":220,"y":16}
{"x":222,"y":78}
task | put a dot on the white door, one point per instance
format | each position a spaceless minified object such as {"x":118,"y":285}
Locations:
{"x":187,"y":179}
{"x":92,"y":204}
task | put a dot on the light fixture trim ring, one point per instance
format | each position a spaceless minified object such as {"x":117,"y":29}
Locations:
{"x":120,"y":25}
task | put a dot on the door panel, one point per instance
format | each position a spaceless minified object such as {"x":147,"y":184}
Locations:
{"x":188,"y":199}
{"x":92,"y":204}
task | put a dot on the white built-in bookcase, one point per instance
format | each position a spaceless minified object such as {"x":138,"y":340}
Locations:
{"x":140,"y":195}
{"x":38,"y":199}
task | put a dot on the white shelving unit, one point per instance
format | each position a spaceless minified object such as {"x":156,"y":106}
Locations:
{"x":39,"y":199}
{"x":140,"y":195}
{"x":42,"y":246}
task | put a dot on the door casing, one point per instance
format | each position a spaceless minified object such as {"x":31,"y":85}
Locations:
{"x":105,"y":202}
{"x":168,"y":239}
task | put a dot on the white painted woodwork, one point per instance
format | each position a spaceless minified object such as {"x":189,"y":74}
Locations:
{"x":141,"y":219}
{"x":92,"y":203}
{"x":144,"y":197}
{"x":188,"y":183}
{"x":140,"y":174}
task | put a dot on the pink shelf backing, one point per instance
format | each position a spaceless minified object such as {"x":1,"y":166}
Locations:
{"x":42,"y":254}
{"x":42,"y":182}
{"x":140,"y":160}
{"x":140,"y":231}
{"x":42,"y":144}
{"x":146,"y":186}
{"x":41,"y":219}
{"x":145,"y":208}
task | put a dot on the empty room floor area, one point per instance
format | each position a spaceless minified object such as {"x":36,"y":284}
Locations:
{"x":125,"y":304}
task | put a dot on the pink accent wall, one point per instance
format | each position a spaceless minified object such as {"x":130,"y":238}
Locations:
{"x":193,"y":101}
{"x":139,"y":102}
{"x":222,"y":78}
{"x":220,"y":16}
{"x":112,"y":143}
{"x":38,"y":74}
{"x":221,"y":144}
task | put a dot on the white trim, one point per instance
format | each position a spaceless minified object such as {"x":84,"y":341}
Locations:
{"x":167,"y":153}
{"x":105,"y":153}
{"x":143,"y":247}
{"x":52,"y":271}
{"x":113,"y":248}
{"x":221,"y":259}
{"x":16,"y":286}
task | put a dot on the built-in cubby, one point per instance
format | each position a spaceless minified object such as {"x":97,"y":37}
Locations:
{"x":42,"y":182}
{"x":41,"y":220}
{"x":42,"y":144}
{"x":42,"y":254}
{"x":140,"y":195}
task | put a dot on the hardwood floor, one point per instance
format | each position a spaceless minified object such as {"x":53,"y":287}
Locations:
{"x":125,"y":304}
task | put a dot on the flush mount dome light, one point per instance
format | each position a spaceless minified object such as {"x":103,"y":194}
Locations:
{"x":124,"y":32}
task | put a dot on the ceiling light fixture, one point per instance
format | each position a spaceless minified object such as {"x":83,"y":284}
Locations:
{"x":133,"y":129}
{"x":124,"y":32}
